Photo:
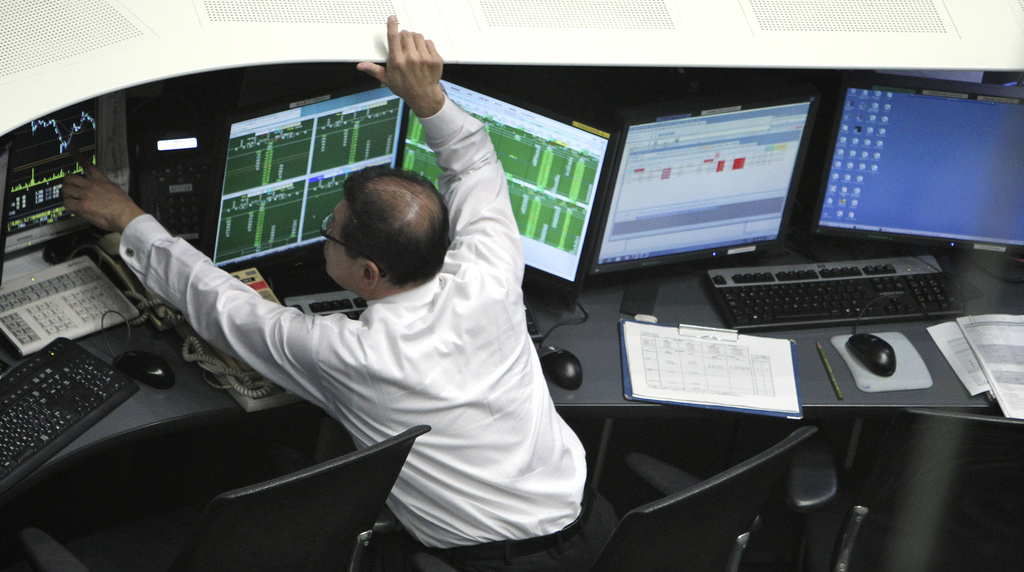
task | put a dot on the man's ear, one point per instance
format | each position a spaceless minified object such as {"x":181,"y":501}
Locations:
{"x":369,"y":275}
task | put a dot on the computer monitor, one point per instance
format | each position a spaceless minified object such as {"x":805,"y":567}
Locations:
{"x":5,"y":156}
{"x":283,"y":170}
{"x":555,"y":168}
{"x":703,"y":179}
{"x":39,"y":161}
{"x":924,"y":161}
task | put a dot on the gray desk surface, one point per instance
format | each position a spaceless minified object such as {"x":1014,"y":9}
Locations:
{"x":683,"y":299}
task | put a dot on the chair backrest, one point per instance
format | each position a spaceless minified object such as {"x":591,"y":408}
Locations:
{"x":308,"y":520}
{"x":946,"y":493}
{"x":697,"y":528}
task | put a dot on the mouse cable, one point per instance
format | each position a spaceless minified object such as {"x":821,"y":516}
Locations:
{"x":149,"y":307}
{"x":864,"y":310}
{"x":573,"y":321}
{"x":106,"y":340}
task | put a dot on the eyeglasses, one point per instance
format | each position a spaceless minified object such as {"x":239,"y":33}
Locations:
{"x":323,"y":232}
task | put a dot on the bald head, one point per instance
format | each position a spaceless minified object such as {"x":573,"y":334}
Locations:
{"x":398,"y":219}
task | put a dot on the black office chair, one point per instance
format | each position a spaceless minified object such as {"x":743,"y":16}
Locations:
{"x":811,"y":485}
{"x":700,"y":528}
{"x":318,"y":518}
{"x":946,"y":493}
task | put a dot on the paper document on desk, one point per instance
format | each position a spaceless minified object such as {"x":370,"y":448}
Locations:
{"x":957,"y":351}
{"x":708,"y":367}
{"x":998,"y":344}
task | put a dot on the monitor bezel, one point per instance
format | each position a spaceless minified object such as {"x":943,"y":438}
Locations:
{"x":6,"y":145}
{"x":857,"y":79}
{"x":536,"y":280}
{"x":298,"y":269}
{"x":705,"y":257}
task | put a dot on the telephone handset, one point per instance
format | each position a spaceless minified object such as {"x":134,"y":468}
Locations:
{"x":151,"y":307}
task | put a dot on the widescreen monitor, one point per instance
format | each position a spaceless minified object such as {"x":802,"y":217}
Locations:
{"x":555,"y":168}
{"x":704,"y":178}
{"x":924,"y":161}
{"x":283,"y":170}
{"x":39,"y":161}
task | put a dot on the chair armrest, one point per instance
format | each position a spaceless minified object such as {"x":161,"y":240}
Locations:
{"x":665,"y":478}
{"x":386,"y":522}
{"x":812,"y":477}
{"x":44,"y":553}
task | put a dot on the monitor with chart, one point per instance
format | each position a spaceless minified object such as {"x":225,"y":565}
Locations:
{"x":703,"y":178}
{"x":925,"y":161}
{"x":555,"y":168}
{"x":39,"y":161}
{"x":284,"y":166}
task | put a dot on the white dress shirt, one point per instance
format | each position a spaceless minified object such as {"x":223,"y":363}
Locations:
{"x":499,"y":462}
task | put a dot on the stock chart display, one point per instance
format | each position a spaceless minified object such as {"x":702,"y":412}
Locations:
{"x":40,"y":161}
{"x":551,"y":185}
{"x":284,"y":176}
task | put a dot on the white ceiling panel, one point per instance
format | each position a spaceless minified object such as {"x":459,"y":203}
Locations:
{"x":55,"y":52}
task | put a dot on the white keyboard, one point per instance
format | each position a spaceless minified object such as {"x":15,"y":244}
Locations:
{"x":66,"y":300}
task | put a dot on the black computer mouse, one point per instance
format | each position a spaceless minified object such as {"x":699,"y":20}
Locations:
{"x":145,"y":367}
{"x":875,"y":353}
{"x":561,"y":367}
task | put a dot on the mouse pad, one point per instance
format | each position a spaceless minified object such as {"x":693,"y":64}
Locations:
{"x":911,"y":372}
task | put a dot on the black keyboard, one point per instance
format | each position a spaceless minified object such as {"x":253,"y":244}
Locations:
{"x":353,"y":306}
{"x":49,"y":400}
{"x":834,"y":293}
{"x":329,"y":303}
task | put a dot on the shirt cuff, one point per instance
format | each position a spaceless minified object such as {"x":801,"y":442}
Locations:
{"x":443,"y":124}
{"x":139,"y":236}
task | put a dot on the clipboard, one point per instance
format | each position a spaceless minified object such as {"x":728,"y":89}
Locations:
{"x":710,"y":368}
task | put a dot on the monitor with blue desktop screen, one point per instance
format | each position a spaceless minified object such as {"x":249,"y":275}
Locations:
{"x":925,"y":161}
{"x":555,"y":168}
{"x":283,"y":170}
{"x":703,"y":179}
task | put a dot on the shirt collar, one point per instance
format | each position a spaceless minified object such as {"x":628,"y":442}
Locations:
{"x":422,"y":294}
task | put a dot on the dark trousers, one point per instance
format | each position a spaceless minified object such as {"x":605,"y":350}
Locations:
{"x":572,"y":553}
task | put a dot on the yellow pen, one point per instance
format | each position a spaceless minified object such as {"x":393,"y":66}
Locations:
{"x":828,"y":370}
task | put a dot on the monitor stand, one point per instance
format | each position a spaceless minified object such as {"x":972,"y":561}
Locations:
{"x":640,"y":297}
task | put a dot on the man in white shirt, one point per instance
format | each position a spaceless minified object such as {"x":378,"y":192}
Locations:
{"x":499,"y":481}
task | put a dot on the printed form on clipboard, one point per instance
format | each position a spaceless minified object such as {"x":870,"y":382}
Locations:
{"x":709,"y":367}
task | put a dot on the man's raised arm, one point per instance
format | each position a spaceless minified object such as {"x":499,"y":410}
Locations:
{"x":412,"y":71}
